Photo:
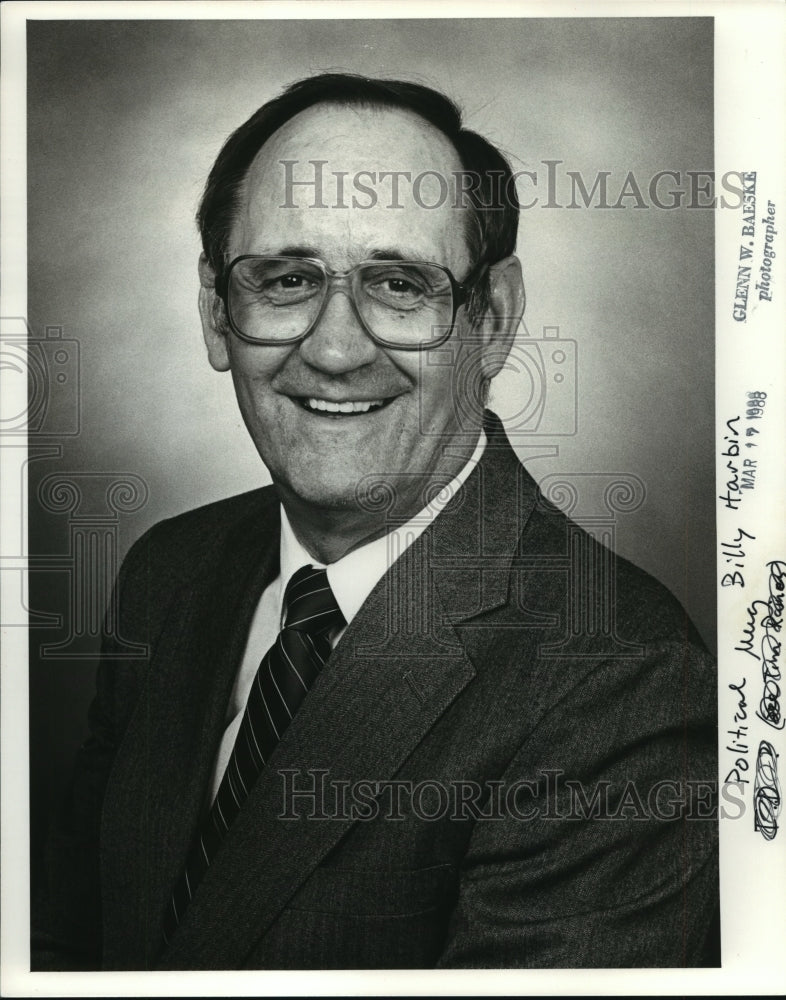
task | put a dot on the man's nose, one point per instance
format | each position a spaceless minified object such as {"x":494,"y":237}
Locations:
{"x":339,"y":342}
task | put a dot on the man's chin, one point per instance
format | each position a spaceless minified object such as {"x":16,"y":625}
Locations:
{"x":324,"y":494}
{"x":370,"y":494}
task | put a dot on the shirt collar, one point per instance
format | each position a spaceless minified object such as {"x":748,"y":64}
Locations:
{"x":354,"y":576}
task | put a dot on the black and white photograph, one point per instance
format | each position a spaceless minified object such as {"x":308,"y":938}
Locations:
{"x":392,"y":500}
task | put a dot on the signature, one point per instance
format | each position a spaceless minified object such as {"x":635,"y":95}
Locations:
{"x":769,"y":651}
{"x":769,"y":706}
{"x":766,"y":792}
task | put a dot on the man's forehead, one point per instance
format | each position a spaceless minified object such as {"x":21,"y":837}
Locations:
{"x":357,"y":174}
{"x":356,"y":138}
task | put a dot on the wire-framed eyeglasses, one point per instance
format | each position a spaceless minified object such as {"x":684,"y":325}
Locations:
{"x":403,"y":304}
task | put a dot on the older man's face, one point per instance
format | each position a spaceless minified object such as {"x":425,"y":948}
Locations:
{"x":314,"y":455}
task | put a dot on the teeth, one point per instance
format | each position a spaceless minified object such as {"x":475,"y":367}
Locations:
{"x":326,"y":406}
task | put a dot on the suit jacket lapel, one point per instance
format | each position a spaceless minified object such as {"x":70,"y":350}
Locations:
{"x":476,"y":537}
{"x":392,"y":676}
{"x":174,"y":734}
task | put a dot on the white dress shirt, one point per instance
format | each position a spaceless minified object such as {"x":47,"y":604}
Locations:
{"x":352,"y":578}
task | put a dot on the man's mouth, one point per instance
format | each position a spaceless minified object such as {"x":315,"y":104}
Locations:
{"x":342,"y":408}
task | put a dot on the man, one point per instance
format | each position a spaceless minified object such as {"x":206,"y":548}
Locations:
{"x":411,"y":758}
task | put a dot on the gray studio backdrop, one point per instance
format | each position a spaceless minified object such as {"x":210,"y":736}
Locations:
{"x":124,"y":120}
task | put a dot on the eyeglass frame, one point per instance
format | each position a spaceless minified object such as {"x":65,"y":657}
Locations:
{"x":460,"y":293}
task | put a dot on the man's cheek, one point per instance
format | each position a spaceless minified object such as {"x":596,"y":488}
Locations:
{"x":438,"y":400}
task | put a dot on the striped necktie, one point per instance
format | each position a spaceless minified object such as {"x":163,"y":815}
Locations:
{"x":286,"y":672}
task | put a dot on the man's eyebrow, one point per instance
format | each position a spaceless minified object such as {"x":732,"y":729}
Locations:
{"x":389,"y":253}
{"x":381,"y":253}
{"x":296,"y":251}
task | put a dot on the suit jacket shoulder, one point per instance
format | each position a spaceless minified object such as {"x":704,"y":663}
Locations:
{"x":182,"y":546}
{"x":642,"y":606}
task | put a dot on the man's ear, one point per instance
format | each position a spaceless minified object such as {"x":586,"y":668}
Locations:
{"x":502,"y":316}
{"x":211,"y":313}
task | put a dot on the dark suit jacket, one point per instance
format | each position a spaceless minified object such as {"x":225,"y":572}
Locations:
{"x":480,"y":658}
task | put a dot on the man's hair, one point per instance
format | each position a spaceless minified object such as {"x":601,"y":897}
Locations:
{"x":491,"y":197}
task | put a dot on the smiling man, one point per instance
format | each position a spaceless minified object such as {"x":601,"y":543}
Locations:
{"x":367,"y":732}
{"x":338,"y":394}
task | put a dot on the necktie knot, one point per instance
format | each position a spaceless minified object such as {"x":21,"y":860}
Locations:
{"x":310,"y":604}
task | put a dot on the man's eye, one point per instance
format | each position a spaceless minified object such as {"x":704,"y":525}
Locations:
{"x":397,"y":286}
{"x":291,"y":286}
{"x":395,"y":289}
{"x":400,"y":286}
{"x":291,"y":281}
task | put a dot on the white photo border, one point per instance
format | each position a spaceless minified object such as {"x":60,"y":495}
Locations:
{"x":750,"y":101}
